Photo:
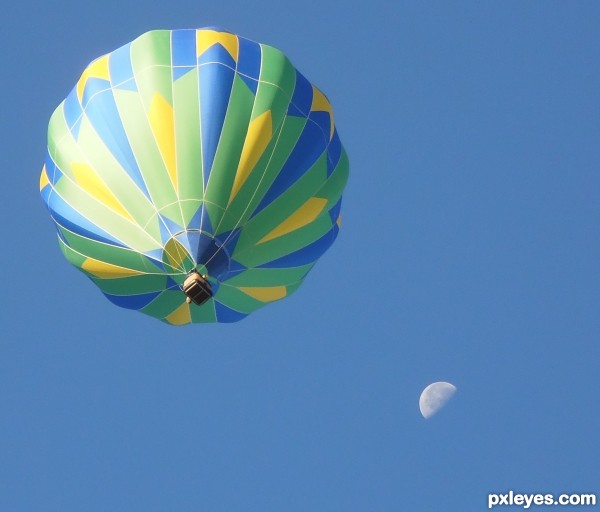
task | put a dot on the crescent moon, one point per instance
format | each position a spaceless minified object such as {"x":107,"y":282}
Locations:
{"x":434,"y":397}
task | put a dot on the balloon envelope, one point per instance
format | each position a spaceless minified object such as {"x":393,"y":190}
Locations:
{"x":194,"y":150}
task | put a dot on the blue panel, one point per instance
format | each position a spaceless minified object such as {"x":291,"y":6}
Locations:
{"x":165,"y":234}
{"x":306,"y":255}
{"x":334,"y":213}
{"x":230,"y":274}
{"x":195,"y":221}
{"x":93,"y":86}
{"x":230,"y":239}
{"x":334,"y":152}
{"x":104,"y":116}
{"x":302,"y":97}
{"x":183,"y":47}
{"x":155,"y":257}
{"x":71,"y":219}
{"x":227,"y":315}
{"x":183,"y":52}
{"x":215,"y":89}
{"x":211,"y":256}
{"x":73,"y":112}
{"x":171,"y":285}
{"x":323,"y":121}
{"x":250,"y":82}
{"x":132,"y":301}
{"x":173,"y":227}
{"x":217,"y":54}
{"x":249,"y":60}
{"x":45,"y":193}
{"x":52,"y":170}
{"x":189,"y":240}
{"x":235,"y":268}
{"x":121,"y":71}
{"x":308,"y":149}
{"x":179,"y":72}
{"x":205,"y":223}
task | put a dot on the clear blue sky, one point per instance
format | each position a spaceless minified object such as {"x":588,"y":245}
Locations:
{"x":469,"y":252}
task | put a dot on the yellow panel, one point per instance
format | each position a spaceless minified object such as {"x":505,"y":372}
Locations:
{"x":89,"y":181}
{"x":265,"y":293}
{"x":44,"y":178}
{"x":163,"y":128}
{"x":176,"y":253}
{"x":260,"y":132}
{"x":180,"y":316}
{"x":106,"y":270}
{"x":339,"y":221}
{"x":321,"y":103}
{"x":97,"y":69}
{"x":304,"y":215}
{"x":207,"y":38}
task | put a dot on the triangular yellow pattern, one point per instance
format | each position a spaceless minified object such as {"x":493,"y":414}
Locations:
{"x":89,"y":181}
{"x":180,"y":316}
{"x":321,"y":103}
{"x":260,"y":133}
{"x":105,"y":270}
{"x":97,"y":69}
{"x":265,"y":293}
{"x":304,"y":215}
{"x":163,"y":128}
{"x":339,"y":221}
{"x":44,"y":178}
{"x":207,"y":38}
{"x":176,"y":253}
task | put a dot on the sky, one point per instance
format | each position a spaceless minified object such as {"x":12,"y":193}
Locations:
{"x":468,"y":253}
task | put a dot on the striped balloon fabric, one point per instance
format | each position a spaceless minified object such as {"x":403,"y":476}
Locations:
{"x":194,"y":150}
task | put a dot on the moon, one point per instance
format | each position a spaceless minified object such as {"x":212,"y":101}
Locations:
{"x":434,"y":397}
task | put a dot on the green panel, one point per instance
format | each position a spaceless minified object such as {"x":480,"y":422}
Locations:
{"x":144,"y":147}
{"x":260,"y":254}
{"x":285,"y":205}
{"x":189,"y":207}
{"x":267,"y":169}
{"x":134,"y":285}
{"x":332,"y":189}
{"x":116,"y":179}
{"x":109,"y":253}
{"x":230,"y":146}
{"x":238,"y":300}
{"x":270,"y":98}
{"x":174,"y":213}
{"x":151,"y":62}
{"x":187,"y":138}
{"x":277,"y":69}
{"x":59,"y":135}
{"x":270,"y":276}
{"x":68,"y":150}
{"x":293,"y":287}
{"x":205,"y":313}
{"x":72,"y":256}
{"x":105,"y":218}
{"x":215,"y":212}
{"x":167,"y":302}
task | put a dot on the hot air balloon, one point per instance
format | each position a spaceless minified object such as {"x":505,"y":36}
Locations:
{"x":194,"y":175}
